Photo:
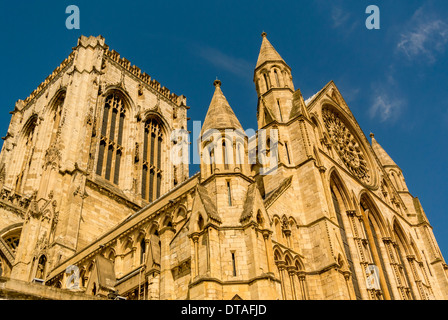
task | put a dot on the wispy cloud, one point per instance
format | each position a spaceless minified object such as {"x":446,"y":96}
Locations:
{"x":427,"y":36}
{"x":339,"y":16}
{"x":342,"y":18}
{"x":386,"y":105}
{"x":219,"y":59}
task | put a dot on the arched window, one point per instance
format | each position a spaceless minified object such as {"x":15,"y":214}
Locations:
{"x":276,"y":78}
{"x":260,"y":219}
{"x":402,"y":267}
{"x":225,"y":156}
{"x":239,"y":152}
{"x":372,"y":227}
{"x":142,"y":251}
{"x":211,"y":154}
{"x":348,"y":254}
{"x":200,"y":222}
{"x":57,"y":113}
{"x":111,"y":143}
{"x":41,"y":267}
{"x":27,"y":155}
{"x":112,"y":256}
{"x":266,"y":81}
{"x":152,"y":160}
{"x":13,"y":242}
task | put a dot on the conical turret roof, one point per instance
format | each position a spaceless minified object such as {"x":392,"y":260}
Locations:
{"x":267,"y":52}
{"x":385,"y":159}
{"x":220,"y":115}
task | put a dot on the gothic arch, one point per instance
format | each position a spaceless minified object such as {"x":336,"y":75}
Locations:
{"x":110,"y":89}
{"x":278,"y":254}
{"x":167,"y":221}
{"x":29,"y":125}
{"x":342,"y":204}
{"x":180,"y":214}
{"x":112,"y":255}
{"x":115,"y":127}
{"x":152,"y":228}
{"x":58,"y":96}
{"x":374,"y":212}
{"x":11,"y":235}
{"x":336,"y":181}
{"x":22,"y":159}
{"x":400,"y":235}
{"x":318,"y":130}
{"x":157,"y":116}
{"x":260,"y":219}
{"x":299,"y":264}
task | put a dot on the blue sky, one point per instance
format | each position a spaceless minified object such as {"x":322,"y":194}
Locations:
{"x":394,"y":79}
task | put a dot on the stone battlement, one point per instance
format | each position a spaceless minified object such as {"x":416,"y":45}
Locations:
{"x":113,"y":55}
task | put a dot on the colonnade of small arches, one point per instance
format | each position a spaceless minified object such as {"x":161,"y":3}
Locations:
{"x":133,"y":250}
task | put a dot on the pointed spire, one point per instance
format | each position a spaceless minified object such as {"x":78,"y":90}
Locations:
{"x":267,"y":52}
{"x":385,"y":159}
{"x":220,"y":115}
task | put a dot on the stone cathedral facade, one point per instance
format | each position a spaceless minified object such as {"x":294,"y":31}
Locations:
{"x":92,"y":205}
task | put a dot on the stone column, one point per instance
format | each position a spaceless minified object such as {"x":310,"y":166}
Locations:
{"x":195,"y":238}
{"x":268,"y":248}
{"x":153,"y":286}
{"x":166,"y":277}
{"x":346,"y":275}
{"x":281,"y":267}
{"x":301,"y":276}
{"x":291,"y":272}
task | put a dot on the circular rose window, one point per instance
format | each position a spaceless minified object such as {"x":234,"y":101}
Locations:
{"x":346,"y":146}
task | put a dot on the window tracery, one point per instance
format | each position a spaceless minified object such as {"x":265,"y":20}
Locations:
{"x":111,"y":143}
{"x":346,"y":145}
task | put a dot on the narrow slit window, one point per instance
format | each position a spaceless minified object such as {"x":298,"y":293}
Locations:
{"x":279,"y":110}
{"x":233,"y":264}
{"x":229,"y":193}
{"x":225,"y":155}
{"x":212,"y":159}
{"x":287,"y":153}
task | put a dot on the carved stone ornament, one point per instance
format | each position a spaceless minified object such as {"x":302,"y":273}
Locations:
{"x":346,"y":146}
{"x":53,"y":157}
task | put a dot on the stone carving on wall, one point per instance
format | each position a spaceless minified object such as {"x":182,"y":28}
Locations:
{"x":346,"y":146}
{"x":53,"y":157}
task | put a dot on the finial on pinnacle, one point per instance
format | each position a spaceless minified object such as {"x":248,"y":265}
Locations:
{"x":263,"y":34}
{"x":372,"y":135}
{"x":217,"y":83}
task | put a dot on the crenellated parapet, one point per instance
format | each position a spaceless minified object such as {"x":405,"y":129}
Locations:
{"x":144,"y":77}
{"x":51,"y":77}
{"x":113,"y":55}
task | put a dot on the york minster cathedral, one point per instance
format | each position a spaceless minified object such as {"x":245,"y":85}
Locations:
{"x":92,"y":205}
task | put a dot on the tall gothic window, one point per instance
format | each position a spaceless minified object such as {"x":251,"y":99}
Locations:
{"x":346,"y":245}
{"x":57,"y":109}
{"x":28,"y":136}
{"x":111,"y":143}
{"x":152,"y":160}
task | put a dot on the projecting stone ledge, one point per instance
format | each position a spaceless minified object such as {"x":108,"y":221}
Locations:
{"x":11,"y":289}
